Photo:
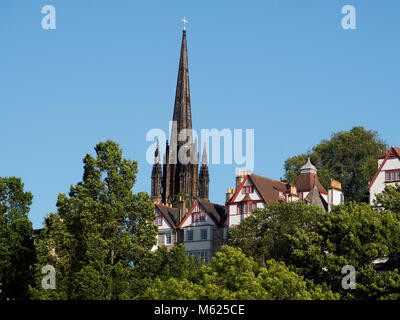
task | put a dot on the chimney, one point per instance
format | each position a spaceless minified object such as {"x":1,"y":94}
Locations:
{"x":229,"y":194}
{"x":182,"y":208}
{"x":240,"y":176}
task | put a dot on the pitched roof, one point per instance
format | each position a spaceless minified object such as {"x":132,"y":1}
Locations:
{"x":170,"y":214}
{"x":268,"y":188}
{"x":397,"y":150}
{"x":305,"y":182}
{"x":216,"y":211}
{"x":314,"y":198}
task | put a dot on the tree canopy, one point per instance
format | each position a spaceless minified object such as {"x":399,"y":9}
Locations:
{"x":99,"y":231}
{"x":318,"y":247}
{"x":17,"y":252}
{"x":349,"y":157}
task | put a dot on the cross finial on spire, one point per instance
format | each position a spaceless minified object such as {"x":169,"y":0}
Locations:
{"x":184,"y":23}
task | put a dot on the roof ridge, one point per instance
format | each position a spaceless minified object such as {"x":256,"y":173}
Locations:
{"x":269,"y":178}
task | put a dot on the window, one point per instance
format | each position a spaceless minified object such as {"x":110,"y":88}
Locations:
{"x":199,"y":217}
{"x":168,"y":238}
{"x":204,"y":234}
{"x":189,"y":235}
{"x":246,"y":207}
{"x":158,"y":221}
{"x":239,"y":209}
{"x":392,"y":176}
{"x":202,"y":255}
{"x":247,"y":189}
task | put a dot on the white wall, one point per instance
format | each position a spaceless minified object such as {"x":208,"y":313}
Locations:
{"x":379,"y":184}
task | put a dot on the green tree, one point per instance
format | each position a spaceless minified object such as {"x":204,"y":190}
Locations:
{"x":389,"y":199}
{"x":263,"y":235}
{"x":349,"y":157}
{"x":17,"y":252}
{"x":354,"y":234}
{"x":231,"y":275}
{"x":317,"y":247}
{"x":99,"y":231}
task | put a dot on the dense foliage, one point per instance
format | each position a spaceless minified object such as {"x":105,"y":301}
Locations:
{"x":101,"y":242}
{"x":317,"y":245}
{"x":17,"y":252}
{"x":99,"y":231}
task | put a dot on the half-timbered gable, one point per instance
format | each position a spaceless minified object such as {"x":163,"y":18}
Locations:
{"x":203,"y":229}
{"x":167,"y":219}
{"x":388,"y":173}
{"x":254,"y":192}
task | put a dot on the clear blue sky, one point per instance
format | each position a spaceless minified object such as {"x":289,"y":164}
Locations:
{"x":285,"y":68}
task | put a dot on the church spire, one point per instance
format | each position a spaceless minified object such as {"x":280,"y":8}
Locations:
{"x":204,"y":177}
{"x":182,"y":109}
{"x":156,"y":177}
{"x":181,"y":175}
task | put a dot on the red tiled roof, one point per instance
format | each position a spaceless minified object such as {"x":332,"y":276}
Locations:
{"x":268,"y":188}
{"x":397,"y":150}
{"x":305,"y":182}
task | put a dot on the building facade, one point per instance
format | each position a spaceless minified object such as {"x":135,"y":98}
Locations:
{"x":388,"y":173}
{"x":253,"y":191}
{"x":204,"y":228}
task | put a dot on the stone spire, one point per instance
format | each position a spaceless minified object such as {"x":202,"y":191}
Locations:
{"x":181,"y":176}
{"x":182,"y":117}
{"x":156,"y":177}
{"x":204,"y":156}
{"x":204,"y":177}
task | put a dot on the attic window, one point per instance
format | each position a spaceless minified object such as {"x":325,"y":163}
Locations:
{"x":392,"y":176}
{"x":248,"y":189}
{"x":158,"y":221}
{"x":199,"y":217}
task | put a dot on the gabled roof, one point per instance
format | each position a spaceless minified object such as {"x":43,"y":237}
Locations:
{"x":267,"y":188}
{"x":392,"y":152}
{"x":215,"y":211}
{"x":170,"y":214}
{"x":397,"y":151}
